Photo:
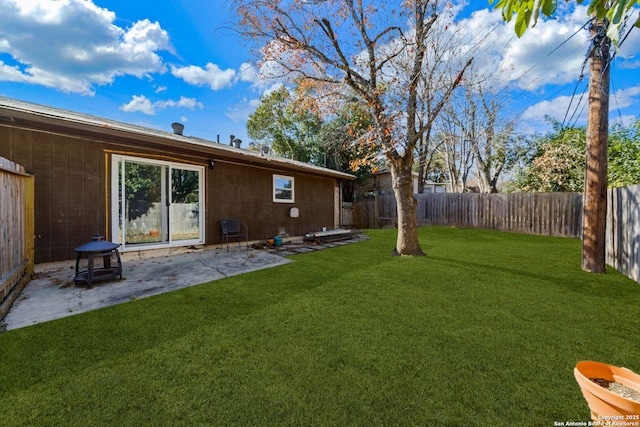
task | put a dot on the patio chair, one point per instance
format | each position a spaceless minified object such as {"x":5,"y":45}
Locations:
{"x":234,"y":228}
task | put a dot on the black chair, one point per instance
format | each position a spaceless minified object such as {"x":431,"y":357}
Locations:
{"x":234,"y":228}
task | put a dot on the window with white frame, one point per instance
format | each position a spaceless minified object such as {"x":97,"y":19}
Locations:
{"x":283,"y":189}
{"x":156,"y":203}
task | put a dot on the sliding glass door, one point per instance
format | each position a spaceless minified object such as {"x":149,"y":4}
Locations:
{"x":156,"y":203}
{"x":184,"y":212}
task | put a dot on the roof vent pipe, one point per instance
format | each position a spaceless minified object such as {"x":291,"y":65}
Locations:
{"x":177,"y":128}
{"x":234,"y":142}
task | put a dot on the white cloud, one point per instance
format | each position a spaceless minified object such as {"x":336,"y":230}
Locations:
{"x":631,"y":45}
{"x":240,"y":113}
{"x":555,"y":108}
{"x":212,"y":75}
{"x":183,"y":102}
{"x":190,"y":103}
{"x":139,"y":103}
{"x":564,"y":106}
{"x":546,"y":54}
{"x":628,"y":65}
{"x":626,"y":121}
{"x":247,"y":73}
{"x":273,"y":88}
{"x":623,"y":98}
{"x":74,"y":45}
{"x":142,"y":104}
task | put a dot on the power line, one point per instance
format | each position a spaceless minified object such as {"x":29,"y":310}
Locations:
{"x":526,"y":72}
{"x":624,"y":24}
{"x":575,"y":89}
{"x":553,"y":51}
{"x":597,"y":41}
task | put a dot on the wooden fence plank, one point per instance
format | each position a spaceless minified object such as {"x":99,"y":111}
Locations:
{"x":550,"y":214}
{"x":16,"y":230}
{"x":623,"y":230}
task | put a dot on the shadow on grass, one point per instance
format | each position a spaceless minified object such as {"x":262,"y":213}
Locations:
{"x":487,"y":322}
{"x":75,"y":343}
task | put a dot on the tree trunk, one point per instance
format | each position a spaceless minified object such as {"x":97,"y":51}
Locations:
{"x":401,"y":177}
{"x":595,"y":182}
{"x":421,"y":171}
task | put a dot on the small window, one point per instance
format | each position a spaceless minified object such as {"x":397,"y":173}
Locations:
{"x":283,"y":189}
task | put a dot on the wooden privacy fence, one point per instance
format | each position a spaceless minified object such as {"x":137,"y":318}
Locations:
{"x":16,"y":231}
{"x":347,"y":220}
{"x":554,"y":214}
{"x":623,"y":230}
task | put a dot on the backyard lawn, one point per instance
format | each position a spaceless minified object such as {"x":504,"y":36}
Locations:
{"x":483,"y":331}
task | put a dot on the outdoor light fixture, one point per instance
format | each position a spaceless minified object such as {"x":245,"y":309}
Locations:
{"x":211,"y":164}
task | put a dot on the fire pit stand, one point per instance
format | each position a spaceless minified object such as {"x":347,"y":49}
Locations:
{"x":96,"y":249}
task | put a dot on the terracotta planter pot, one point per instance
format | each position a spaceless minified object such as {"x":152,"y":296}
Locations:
{"x":602,"y":402}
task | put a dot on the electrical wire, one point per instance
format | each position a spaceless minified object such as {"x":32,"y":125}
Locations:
{"x":521,"y":76}
{"x":553,"y":50}
{"x":622,"y":26}
{"x":616,"y":101}
{"x":575,"y":89}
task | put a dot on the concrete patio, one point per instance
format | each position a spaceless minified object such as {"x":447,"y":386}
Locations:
{"x":52,"y":294}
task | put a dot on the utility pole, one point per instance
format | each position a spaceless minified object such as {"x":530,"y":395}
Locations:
{"x":595,"y":182}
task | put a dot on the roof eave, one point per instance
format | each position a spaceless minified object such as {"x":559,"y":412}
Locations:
{"x":17,"y":111}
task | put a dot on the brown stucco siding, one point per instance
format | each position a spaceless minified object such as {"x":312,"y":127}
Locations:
{"x":72,"y":187}
{"x":246,"y":193}
{"x":69,"y":188}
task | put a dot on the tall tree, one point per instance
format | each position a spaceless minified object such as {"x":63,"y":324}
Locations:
{"x":609,"y":17}
{"x":624,"y":154}
{"x":456,"y":151}
{"x":291,"y":131}
{"x":492,"y":141}
{"x":344,"y":142}
{"x":353,"y":44}
{"x":446,"y":52}
{"x":555,"y":161}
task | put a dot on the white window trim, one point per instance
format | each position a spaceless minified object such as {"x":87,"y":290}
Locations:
{"x":293,"y":189}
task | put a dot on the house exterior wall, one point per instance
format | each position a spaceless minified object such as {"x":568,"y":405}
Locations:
{"x":69,"y":188}
{"x":246,"y":193}
{"x":72,"y":188}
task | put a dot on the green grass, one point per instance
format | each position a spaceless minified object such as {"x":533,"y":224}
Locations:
{"x":484,"y":331}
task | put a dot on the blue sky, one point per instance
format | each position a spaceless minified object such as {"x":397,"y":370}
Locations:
{"x":152,"y":63}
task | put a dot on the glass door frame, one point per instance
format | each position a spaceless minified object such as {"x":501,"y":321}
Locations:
{"x":118,"y":232}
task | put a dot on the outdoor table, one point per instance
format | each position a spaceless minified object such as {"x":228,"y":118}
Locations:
{"x":94,"y":250}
